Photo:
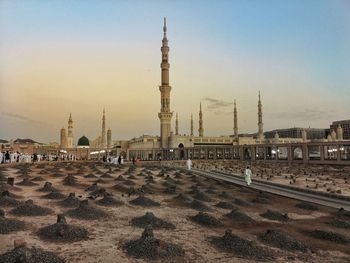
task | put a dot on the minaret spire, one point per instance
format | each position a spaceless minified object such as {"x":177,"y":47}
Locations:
{"x":191,"y":124}
{"x":70,"y":138}
{"x":235,"y":121}
{"x":177,"y":125}
{"x":103,"y":135}
{"x":165,"y":114}
{"x":260,"y":122}
{"x":200,"y":130}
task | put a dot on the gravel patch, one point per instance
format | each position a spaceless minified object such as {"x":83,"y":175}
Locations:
{"x":202,"y":197}
{"x":307,"y":206}
{"x":340,"y":223}
{"x":70,"y":201}
{"x":6,"y":200}
{"x":225,"y":205}
{"x":9,"y":225}
{"x":149,"y":248}
{"x":144,"y":201}
{"x":329,"y":236}
{"x":47,"y":188}
{"x":199,"y":206}
{"x":240,"y":217}
{"x":29,"y":255}
{"x":275,"y":215}
{"x":150,"y":219}
{"x":63,"y":232}
{"x":109,"y":200}
{"x":28,"y":208}
{"x":86,"y":212}
{"x":26,"y":182}
{"x":205,"y":219}
{"x":54,"y":195}
{"x":70,"y":180}
{"x":277,"y":238}
{"x":241,"y":247}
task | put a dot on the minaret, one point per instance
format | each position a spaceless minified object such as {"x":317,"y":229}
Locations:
{"x":165,"y":114}
{"x":304,"y":135}
{"x":70,"y":138}
{"x":109,"y":138}
{"x":191,"y":124}
{"x":63,"y":138}
{"x":235,"y":121}
{"x":200,"y":130}
{"x":103,"y":135}
{"x":340,"y":133}
{"x":176,"y":125}
{"x":260,"y":122}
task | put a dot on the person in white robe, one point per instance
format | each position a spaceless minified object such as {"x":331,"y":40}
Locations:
{"x":248,"y":175}
{"x":189,"y":164}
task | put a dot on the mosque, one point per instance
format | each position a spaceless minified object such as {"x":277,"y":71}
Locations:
{"x":153,"y":147}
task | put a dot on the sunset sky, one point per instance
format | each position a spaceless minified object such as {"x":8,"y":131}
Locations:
{"x":61,"y":57}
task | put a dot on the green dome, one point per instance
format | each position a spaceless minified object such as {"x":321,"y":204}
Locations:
{"x":83,"y":141}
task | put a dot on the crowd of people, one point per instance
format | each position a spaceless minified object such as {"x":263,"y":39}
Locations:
{"x":8,"y":157}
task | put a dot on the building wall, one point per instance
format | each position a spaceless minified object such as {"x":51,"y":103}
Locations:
{"x":345,"y":124}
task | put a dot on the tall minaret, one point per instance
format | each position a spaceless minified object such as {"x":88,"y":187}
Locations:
{"x":165,"y":114}
{"x":70,"y":138}
{"x":177,"y":125}
{"x":103,"y":135}
{"x":235,"y":121}
{"x":109,"y":138}
{"x":191,"y":124}
{"x":63,"y":138}
{"x":200,"y":129}
{"x":260,"y":122}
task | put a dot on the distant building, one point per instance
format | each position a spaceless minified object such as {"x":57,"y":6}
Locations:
{"x":345,"y":125}
{"x":312,"y":133}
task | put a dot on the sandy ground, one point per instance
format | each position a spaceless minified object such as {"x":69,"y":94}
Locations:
{"x":108,"y":235}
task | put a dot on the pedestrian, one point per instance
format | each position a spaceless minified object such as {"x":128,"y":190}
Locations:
{"x":248,"y":175}
{"x":119,"y":160}
{"x":189,"y":164}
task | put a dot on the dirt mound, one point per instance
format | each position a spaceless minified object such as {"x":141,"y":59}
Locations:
{"x":90,"y":176}
{"x":340,"y":223}
{"x":198,"y":205}
{"x":26,"y":182}
{"x":70,"y":201}
{"x":28,"y":208}
{"x":150,"y":219}
{"x":70,"y":180}
{"x":47,"y":188}
{"x":92,"y":188}
{"x":277,"y":238}
{"x":225,"y":205}
{"x":206,"y":220}
{"x":307,"y":206}
{"x":202,"y":197}
{"x":29,"y":255}
{"x":329,"y":236}
{"x":241,"y":247}
{"x":240,"y":217}
{"x":54,"y":195}
{"x":261,"y":200}
{"x":106,"y":176}
{"x":225,"y":195}
{"x":242,"y":202}
{"x":143,"y":201}
{"x":182,"y":198}
{"x":150,"y":248}
{"x":275,"y":215}
{"x":343,"y":213}
{"x":7,"y":200}
{"x":63,"y":232}
{"x":86,"y":212}
{"x":129,"y":182}
{"x":38,"y":179}
{"x":9,"y":225}
{"x":121,"y":188}
{"x":171,"y":189}
{"x":109,"y":200}
{"x":120,"y":178}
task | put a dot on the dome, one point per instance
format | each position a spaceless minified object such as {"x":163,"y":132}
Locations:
{"x":83,"y":141}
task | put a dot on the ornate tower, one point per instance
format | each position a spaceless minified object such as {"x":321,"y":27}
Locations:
{"x":165,"y":114}
{"x":191,"y":124}
{"x":109,"y":138}
{"x":200,"y":130}
{"x":260,"y":122}
{"x":340,"y":133}
{"x":177,"y":125}
{"x":235,"y":121}
{"x":103,"y":135}
{"x":63,"y":138}
{"x":70,"y":138}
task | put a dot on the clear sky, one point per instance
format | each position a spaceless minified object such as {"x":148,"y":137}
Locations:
{"x":62,"y":56}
